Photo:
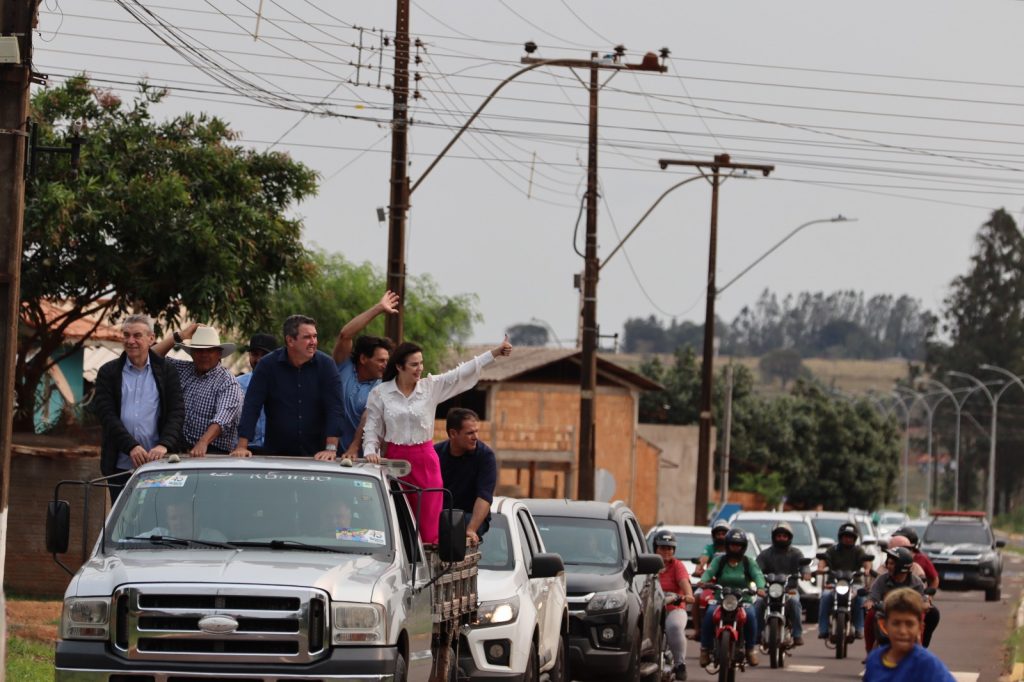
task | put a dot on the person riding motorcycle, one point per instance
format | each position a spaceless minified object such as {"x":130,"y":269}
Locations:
{"x":711,"y":550}
{"x":783,"y":557}
{"x":930,"y":578}
{"x":897,"y":574}
{"x":845,"y":555}
{"x":675,"y":583}
{"x":897,"y":541}
{"x":733,"y":569}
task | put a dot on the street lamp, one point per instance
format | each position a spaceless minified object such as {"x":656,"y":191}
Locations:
{"x":906,"y":443}
{"x":929,"y":409}
{"x":1016,"y":380}
{"x":959,"y":404}
{"x":990,"y":495}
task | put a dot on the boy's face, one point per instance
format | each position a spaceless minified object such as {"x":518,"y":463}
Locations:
{"x":903,"y":629}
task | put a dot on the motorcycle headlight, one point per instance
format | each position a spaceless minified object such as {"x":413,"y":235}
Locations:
{"x":730,"y":602}
{"x":608,"y":601}
{"x":775,"y":590}
{"x":497,"y":612}
{"x":85,"y":619}
{"x":359,"y":624}
{"x":842,"y":587}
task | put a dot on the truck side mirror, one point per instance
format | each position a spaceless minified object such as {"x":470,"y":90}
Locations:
{"x":1000,"y":544}
{"x":547,"y":566}
{"x":649,"y":564}
{"x":451,"y":536}
{"x":58,"y":526}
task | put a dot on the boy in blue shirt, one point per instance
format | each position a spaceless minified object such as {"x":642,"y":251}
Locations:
{"x":904,"y":659}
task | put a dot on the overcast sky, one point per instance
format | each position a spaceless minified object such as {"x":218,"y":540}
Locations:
{"x":905,"y":115}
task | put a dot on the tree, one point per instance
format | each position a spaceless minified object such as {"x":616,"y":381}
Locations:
{"x":528,"y":334}
{"x":163,"y":216}
{"x":337,"y":290}
{"x":783,"y":364}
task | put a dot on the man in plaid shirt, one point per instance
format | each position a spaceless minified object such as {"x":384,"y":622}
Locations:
{"x":213,"y":399}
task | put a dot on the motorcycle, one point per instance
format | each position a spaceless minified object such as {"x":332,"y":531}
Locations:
{"x":777,"y":639}
{"x":840,"y":626}
{"x":729,"y":620}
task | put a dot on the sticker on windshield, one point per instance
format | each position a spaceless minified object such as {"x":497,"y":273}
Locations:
{"x":366,"y":535}
{"x":163,"y":480}
{"x":363,"y":484}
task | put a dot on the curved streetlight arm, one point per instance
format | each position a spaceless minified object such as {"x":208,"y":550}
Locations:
{"x":644,"y":217}
{"x":1006,"y":373}
{"x":502,"y":84}
{"x":976,"y":381}
{"x":837,"y":219}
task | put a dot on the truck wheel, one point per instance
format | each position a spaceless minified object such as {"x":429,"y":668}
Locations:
{"x":401,"y":669}
{"x":993,"y":594}
{"x":560,"y":671}
{"x":633,"y":674}
{"x":531,"y":674}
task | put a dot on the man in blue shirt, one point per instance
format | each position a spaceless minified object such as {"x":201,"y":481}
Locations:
{"x":361,"y":362}
{"x":299,"y":388}
{"x":469,"y":470}
{"x":259,"y":346}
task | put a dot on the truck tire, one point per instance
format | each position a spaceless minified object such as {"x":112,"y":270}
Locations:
{"x":401,"y":669}
{"x":993,"y":594}
{"x":531,"y":673}
{"x":560,"y":671}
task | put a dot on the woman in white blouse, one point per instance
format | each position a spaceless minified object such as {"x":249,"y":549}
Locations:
{"x":400,"y":412}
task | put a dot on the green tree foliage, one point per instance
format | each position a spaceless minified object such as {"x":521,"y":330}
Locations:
{"x":678,"y":403}
{"x":528,"y":334}
{"x":783,"y":364}
{"x":337,"y":290}
{"x":983,"y":321}
{"x":164,"y":215}
{"x":650,"y":335}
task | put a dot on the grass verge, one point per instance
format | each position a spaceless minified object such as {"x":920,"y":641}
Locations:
{"x":29,"y":661}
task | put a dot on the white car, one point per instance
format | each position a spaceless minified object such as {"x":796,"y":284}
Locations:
{"x":690,"y":544}
{"x":523,"y":616}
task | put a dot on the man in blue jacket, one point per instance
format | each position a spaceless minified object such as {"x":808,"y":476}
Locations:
{"x":469,"y":470}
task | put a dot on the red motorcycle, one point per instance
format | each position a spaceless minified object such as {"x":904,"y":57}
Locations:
{"x":728,"y":653}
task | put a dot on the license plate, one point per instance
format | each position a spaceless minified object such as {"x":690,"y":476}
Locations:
{"x":953,"y":575}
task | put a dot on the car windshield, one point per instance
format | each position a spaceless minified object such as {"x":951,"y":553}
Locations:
{"x":689,"y":546}
{"x":892,"y":519}
{"x":207,"y":507}
{"x":592,"y":542}
{"x":496,"y":548}
{"x":957,"y":534}
{"x":826,"y":528}
{"x":865,"y":529}
{"x":762,"y":530}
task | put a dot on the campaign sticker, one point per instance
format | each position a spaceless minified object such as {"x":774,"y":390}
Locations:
{"x":363,"y":484}
{"x":366,"y":535}
{"x":163,"y":480}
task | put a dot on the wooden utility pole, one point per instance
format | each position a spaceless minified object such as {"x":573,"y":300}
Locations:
{"x":17,"y":19}
{"x":399,"y":204}
{"x":720,"y":162}
{"x":723,"y":496}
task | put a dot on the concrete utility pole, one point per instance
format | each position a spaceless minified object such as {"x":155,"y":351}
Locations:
{"x":399,"y":204}
{"x":726,"y":438}
{"x":720,"y":162}
{"x":17,"y":19}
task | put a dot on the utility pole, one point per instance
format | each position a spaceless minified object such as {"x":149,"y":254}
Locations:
{"x":726,"y":438}
{"x":399,"y":205}
{"x":17,"y":19}
{"x":588,"y":353}
{"x":720,"y":162}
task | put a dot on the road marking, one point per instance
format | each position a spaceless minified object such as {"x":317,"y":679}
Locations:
{"x":966,"y":677}
{"x":806,"y":668}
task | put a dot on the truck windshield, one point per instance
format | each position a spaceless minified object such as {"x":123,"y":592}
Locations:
{"x":957,"y":534}
{"x":592,"y":542}
{"x":336,"y":512}
{"x":496,"y":547}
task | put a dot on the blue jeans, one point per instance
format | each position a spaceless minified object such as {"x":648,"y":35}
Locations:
{"x":827,"y":598}
{"x":793,"y":613}
{"x":707,"y":629}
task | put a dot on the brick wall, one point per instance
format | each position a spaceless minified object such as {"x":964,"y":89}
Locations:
{"x":29,"y":569}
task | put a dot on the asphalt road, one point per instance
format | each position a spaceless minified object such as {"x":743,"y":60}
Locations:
{"x":970,"y":639}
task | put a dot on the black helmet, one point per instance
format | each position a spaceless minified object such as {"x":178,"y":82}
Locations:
{"x":910,"y":534}
{"x":664,"y":538}
{"x":720,"y":524}
{"x":848,"y":529}
{"x":902,"y":558}
{"x":782,"y":528}
{"x":736,"y":536}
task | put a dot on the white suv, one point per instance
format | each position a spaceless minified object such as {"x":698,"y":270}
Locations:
{"x":523,"y":616}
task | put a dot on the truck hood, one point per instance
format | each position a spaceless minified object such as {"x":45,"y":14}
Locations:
{"x":945,"y":552}
{"x":496,"y":585}
{"x":584,"y":579}
{"x":345,"y":577}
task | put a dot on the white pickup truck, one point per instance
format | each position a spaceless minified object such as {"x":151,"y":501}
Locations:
{"x":263,"y":570}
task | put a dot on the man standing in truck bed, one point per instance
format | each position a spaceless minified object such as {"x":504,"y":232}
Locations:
{"x":469,"y":470}
{"x":299,"y":388}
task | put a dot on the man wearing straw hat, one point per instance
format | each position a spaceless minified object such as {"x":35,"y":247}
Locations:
{"x":213,"y":399}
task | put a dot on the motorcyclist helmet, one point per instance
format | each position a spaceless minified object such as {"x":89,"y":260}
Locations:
{"x":910,"y":534}
{"x":664,"y":538}
{"x":848,"y":530}
{"x":902,"y":559}
{"x":736,"y":543}
{"x":719,"y":529}
{"x":782,"y":535}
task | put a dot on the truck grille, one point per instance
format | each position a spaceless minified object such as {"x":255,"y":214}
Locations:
{"x":274,"y":624}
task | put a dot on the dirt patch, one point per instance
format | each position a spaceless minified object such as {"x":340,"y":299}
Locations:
{"x":33,"y":620}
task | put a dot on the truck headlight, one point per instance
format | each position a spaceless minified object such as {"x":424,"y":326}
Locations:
{"x":608,"y":601}
{"x":497,"y":612}
{"x":358,"y":624}
{"x":85,"y":619}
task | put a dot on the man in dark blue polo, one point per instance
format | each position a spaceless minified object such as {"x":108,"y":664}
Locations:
{"x":299,"y":389}
{"x":469,"y":470}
